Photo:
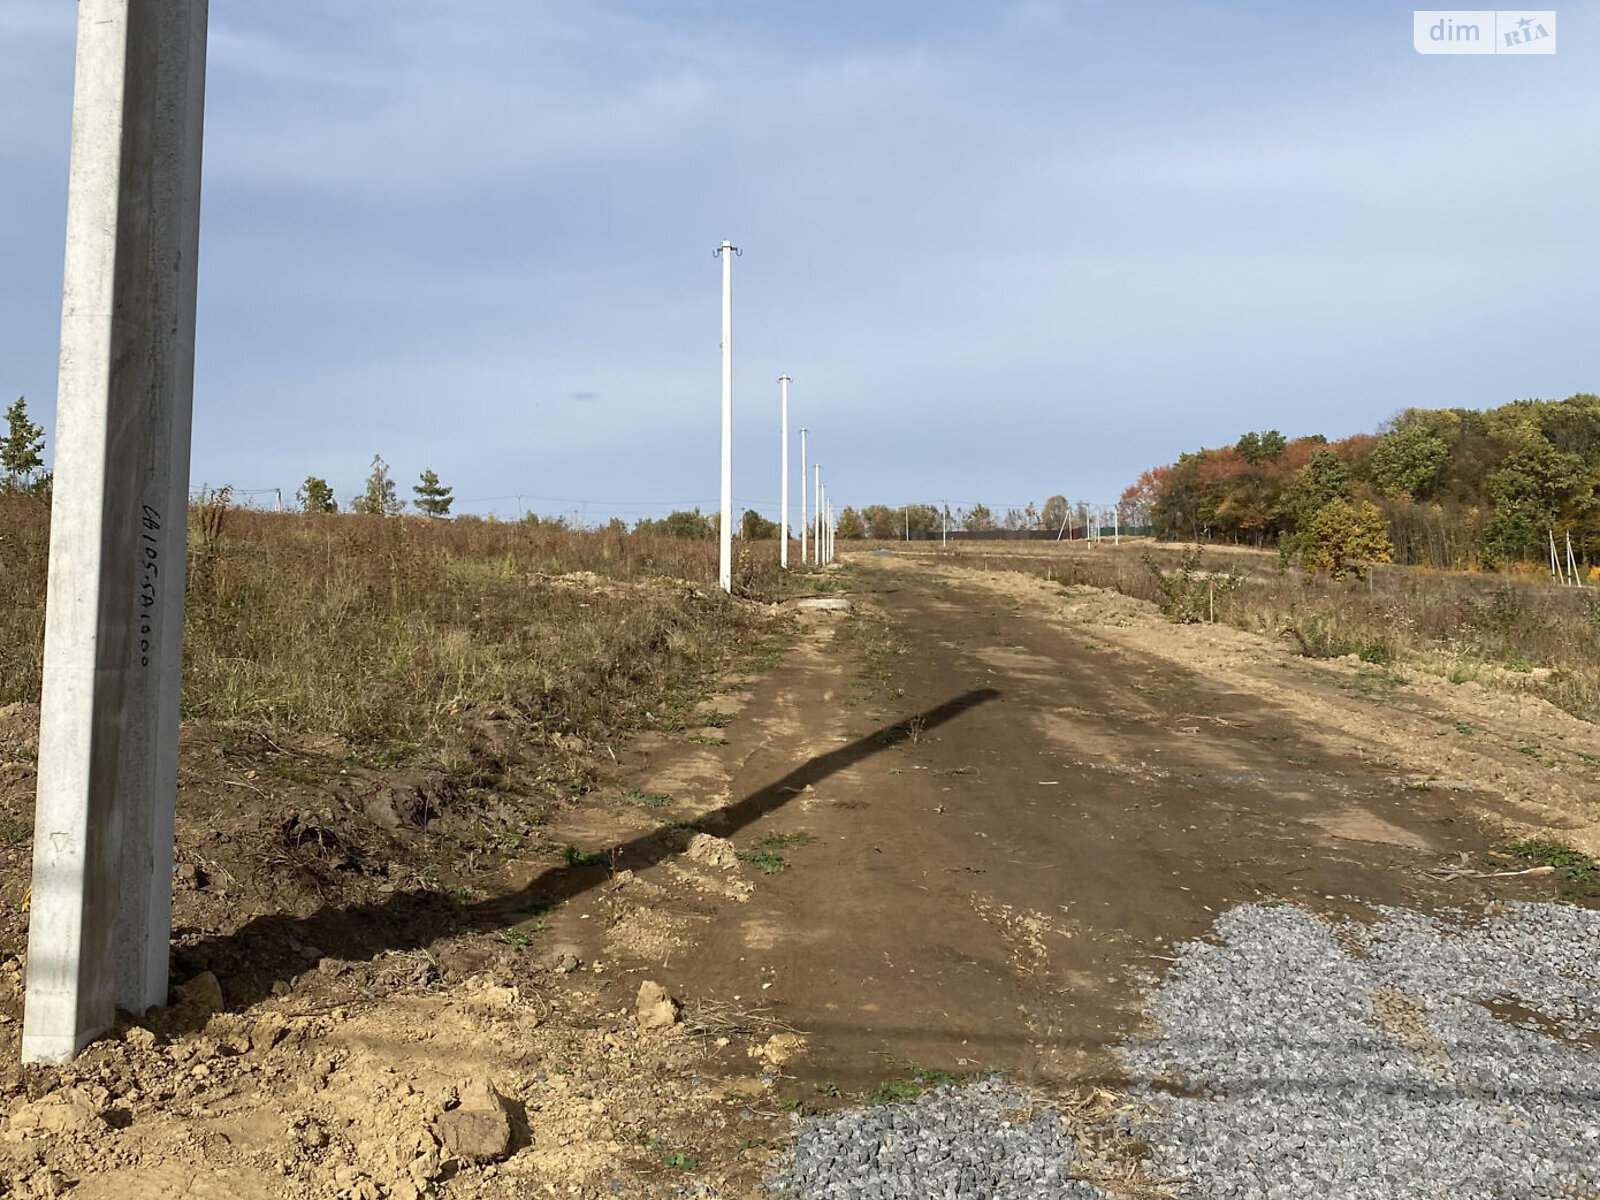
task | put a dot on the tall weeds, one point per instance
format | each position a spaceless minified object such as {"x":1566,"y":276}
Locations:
{"x":1506,"y":630}
{"x":385,"y":631}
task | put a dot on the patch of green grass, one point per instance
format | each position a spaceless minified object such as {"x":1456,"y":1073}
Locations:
{"x":767,"y":656}
{"x":643,"y":799}
{"x":752,"y":1144}
{"x":765,"y":855}
{"x":1531,"y":749}
{"x":387,"y":757}
{"x":716,"y":719}
{"x":701,"y":739}
{"x":1376,"y":652}
{"x":1464,"y":729}
{"x":780,"y":841}
{"x":574,"y":857}
{"x":1592,"y":759}
{"x":902,"y":1091}
{"x":1579,"y":873}
{"x":678,"y":1160}
{"x":520,"y":938}
{"x":764,"y":861}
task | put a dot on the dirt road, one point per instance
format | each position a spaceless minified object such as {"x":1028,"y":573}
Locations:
{"x":1013,"y":826}
{"x":971,"y":825}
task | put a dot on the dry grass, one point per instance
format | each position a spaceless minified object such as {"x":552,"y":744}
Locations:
{"x":1508,"y":631}
{"x":387,"y":633}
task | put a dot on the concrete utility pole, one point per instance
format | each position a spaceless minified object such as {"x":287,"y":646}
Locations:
{"x":726,"y":252}
{"x":101,"y":925}
{"x":783,"y":511}
{"x":816,"y":500}
{"x":822,"y":524}
{"x":802,"y":494}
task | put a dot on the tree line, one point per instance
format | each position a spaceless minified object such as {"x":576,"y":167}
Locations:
{"x":1448,"y":488}
{"x":379,"y":497}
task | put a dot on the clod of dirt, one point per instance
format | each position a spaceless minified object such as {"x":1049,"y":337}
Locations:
{"x":656,"y":1007}
{"x":72,"y":1110}
{"x":564,"y":960}
{"x":712,"y":851}
{"x":479,"y":1128}
{"x":779,"y":1049}
{"x":202,"y":993}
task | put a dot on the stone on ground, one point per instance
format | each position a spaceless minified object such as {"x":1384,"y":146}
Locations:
{"x":479,"y":1128}
{"x":656,"y":1007}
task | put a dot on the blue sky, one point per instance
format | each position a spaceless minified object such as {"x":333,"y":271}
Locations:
{"x":1005,"y":248}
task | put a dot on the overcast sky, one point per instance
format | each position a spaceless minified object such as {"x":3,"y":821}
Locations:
{"x":1005,"y":248}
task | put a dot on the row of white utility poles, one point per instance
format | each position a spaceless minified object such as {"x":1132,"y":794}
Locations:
{"x":819,"y":549}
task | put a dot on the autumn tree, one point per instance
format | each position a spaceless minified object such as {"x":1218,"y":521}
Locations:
{"x":977,"y":519}
{"x":1408,"y":461}
{"x":753,"y":527}
{"x":851,"y":526}
{"x":1344,"y":537}
{"x":883,"y":522}
{"x":679,"y":524}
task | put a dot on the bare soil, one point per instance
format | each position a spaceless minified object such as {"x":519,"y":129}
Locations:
{"x":955,"y":831}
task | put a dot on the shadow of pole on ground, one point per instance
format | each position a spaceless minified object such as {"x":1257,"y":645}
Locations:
{"x":247,"y":960}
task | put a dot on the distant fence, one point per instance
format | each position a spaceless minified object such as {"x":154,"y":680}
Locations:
{"x":1022,"y":535}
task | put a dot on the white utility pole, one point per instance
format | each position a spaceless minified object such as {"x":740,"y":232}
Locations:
{"x":822,"y":524}
{"x":816,"y":500}
{"x":802,"y":495}
{"x":726,"y":252}
{"x":100,"y":930}
{"x":821,"y":497}
{"x":783,"y":513}
{"x":944,"y":525}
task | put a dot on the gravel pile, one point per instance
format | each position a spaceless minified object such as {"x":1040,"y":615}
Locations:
{"x":1414,"y":1058}
{"x":986,"y":1139}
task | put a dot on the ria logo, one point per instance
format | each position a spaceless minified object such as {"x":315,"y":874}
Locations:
{"x":1483,"y":32}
